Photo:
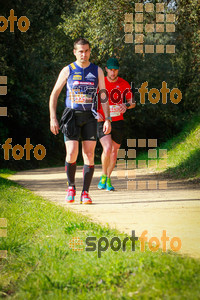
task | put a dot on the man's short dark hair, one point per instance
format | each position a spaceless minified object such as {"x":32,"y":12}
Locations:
{"x":81,"y":41}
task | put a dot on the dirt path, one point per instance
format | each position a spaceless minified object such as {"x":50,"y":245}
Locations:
{"x":175,"y":208}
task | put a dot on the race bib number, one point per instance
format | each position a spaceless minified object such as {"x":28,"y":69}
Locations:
{"x":113,"y":111}
{"x":80,"y":97}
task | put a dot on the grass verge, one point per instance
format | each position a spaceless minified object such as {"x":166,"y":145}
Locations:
{"x":5,"y":173}
{"x":41,"y":265}
{"x":183,"y":153}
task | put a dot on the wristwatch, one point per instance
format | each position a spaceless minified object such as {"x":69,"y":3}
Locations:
{"x":109,"y":119}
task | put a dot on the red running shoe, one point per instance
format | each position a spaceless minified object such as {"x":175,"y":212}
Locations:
{"x":71,"y":193}
{"x":85,"y":198}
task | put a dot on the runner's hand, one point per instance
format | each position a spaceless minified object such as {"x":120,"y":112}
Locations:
{"x":122,"y":108}
{"x":106,"y":127}
{"x":99,"y":117}
{"x":54,"y":126}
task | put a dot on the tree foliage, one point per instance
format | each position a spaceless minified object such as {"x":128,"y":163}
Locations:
{"x":32,"y":61}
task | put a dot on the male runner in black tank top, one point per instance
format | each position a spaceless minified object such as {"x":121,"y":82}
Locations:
{"x":77,"y":121}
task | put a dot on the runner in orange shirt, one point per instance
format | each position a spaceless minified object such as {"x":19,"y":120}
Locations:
{"x":119,"y":92}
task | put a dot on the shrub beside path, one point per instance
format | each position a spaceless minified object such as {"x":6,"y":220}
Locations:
{"x":175,"y":209}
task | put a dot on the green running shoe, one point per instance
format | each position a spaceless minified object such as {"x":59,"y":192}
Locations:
{"x":102,"y":182}
{"x":109,"y":186}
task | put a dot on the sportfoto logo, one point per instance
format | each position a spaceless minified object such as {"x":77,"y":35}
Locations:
{"x":163,"y":91}
{"x":18,"y":151}
{"x":115,"y":244}
{"x":23,"y":22}
{"x":163,"y":21}
{"x":154,"y":95}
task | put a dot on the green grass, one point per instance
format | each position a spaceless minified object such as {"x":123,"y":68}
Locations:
{"x":183,"y":152}
{"x":41,"y":265}
{"x":5,"y":173}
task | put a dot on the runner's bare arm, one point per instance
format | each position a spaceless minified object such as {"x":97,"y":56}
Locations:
{"x":61,"y":81}
{"x":105,"y":104}
{"x":99,"y":117}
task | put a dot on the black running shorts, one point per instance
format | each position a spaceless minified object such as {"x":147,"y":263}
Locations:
{"x":117,"y":132}
{"x":86,"y":127}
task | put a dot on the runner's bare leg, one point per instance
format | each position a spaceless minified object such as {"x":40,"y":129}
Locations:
{"x":88,"y":148}
{"x":113,"y":158}
{"x":71,"y":151}
{"x":106,"y":143}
